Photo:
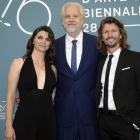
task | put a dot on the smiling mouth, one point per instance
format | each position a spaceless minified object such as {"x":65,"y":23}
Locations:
{"x":71,"y":24}
{"x":111,"y":39}
{"x":42,"y":46}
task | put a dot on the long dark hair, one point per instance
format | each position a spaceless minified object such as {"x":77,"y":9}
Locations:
{"x":123,"y":41}
{"x":50,"y":53}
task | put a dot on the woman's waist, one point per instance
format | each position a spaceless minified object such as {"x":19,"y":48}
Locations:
{"x":35,"y":96}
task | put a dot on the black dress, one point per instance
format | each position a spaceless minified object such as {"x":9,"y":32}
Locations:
{"x":35,"y":117}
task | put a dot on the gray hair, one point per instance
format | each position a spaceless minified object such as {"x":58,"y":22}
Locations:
{"x":81,"y":8}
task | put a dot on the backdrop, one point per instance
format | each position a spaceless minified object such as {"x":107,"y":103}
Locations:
{"x":19,"y":18}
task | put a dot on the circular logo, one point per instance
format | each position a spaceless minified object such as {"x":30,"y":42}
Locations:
{"x":25,"y":3}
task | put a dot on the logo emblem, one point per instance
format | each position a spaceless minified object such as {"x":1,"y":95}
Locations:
{"x":2,"y":110}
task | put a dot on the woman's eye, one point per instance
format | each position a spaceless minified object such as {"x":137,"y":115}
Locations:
{"x":39,"y":37}
{"x":48,"y":39}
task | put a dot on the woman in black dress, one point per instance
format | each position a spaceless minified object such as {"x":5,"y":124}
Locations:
{"x":34,"y":76}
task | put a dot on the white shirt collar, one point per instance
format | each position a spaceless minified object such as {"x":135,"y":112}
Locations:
{"x":116,"y":53}
{"x":79,"y":38}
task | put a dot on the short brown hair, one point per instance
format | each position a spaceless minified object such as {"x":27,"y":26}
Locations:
{"x":123,"y":41}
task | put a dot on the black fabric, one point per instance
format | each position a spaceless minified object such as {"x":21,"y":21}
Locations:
{"x":115,"y":128}
{"x":110,"y":112}
{"x":106,"y":85}
{"x":35,"y":117}
{"x":126,"y":95}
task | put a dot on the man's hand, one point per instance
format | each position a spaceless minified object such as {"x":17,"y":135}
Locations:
{"x":17,"y":100}
{"x":135,"y":126}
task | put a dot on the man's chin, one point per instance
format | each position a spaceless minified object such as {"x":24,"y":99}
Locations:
{"x":70,"y":30}
{"x":111,"y":45}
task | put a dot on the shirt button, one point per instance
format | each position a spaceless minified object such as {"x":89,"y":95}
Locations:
{"x":74,"y":93}
{"x":75,"y":79}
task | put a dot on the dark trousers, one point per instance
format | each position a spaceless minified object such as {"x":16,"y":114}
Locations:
{"x":78,"y":131}
{"x":113,"y":127}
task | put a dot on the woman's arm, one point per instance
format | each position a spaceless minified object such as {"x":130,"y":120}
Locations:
{"x":55,"y":72}
{"x":12,"y":81}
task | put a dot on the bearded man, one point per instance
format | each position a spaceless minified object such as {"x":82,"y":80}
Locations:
{"x":76,"y":63}
{"x":118,"y":84}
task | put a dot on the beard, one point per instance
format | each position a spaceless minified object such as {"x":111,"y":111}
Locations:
{"x":73,"y":30}
{"x":112,"y":45}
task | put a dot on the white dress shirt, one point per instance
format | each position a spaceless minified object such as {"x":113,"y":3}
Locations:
{"x":79,"y":48}
{"x":115,"y":58}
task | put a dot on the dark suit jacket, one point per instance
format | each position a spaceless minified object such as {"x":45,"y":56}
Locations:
{"x":126,"y":90}
{"x":76,"y":91}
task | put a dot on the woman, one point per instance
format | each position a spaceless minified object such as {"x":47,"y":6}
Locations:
{"x":35,"y":77}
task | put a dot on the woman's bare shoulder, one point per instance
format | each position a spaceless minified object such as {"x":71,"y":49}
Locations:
{"x":17,"y":63}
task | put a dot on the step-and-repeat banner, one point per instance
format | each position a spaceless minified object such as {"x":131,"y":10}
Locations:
{"x":19,"y":18}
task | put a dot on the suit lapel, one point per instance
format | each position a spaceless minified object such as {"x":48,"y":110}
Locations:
{"x":98,"y":82}
{"x":62,"y":50}
{"x":121,"y":61}
{"x":101,"y":68}
{"x":86,"y":46}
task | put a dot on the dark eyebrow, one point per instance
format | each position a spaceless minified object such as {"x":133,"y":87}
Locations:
{"x":105,"y":30}
{"x":40,"y":35}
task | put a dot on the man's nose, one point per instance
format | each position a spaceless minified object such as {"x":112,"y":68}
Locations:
{"x":110,"y":34}
{"x":71,"y":18}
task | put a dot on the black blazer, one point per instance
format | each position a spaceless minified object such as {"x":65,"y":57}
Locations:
{"x":126,"y":90}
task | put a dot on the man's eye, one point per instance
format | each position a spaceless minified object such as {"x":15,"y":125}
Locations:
{"x":67,"y":16}
{"x":105,"y":32}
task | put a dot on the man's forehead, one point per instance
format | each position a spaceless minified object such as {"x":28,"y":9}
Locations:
{"x":110,"y":26}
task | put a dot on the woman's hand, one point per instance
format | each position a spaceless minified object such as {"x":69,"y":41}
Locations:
{"x":17,"y":99}
{"x":10,"y":133}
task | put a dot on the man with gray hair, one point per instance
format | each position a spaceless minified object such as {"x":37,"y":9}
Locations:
{"x":76,"y":64}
